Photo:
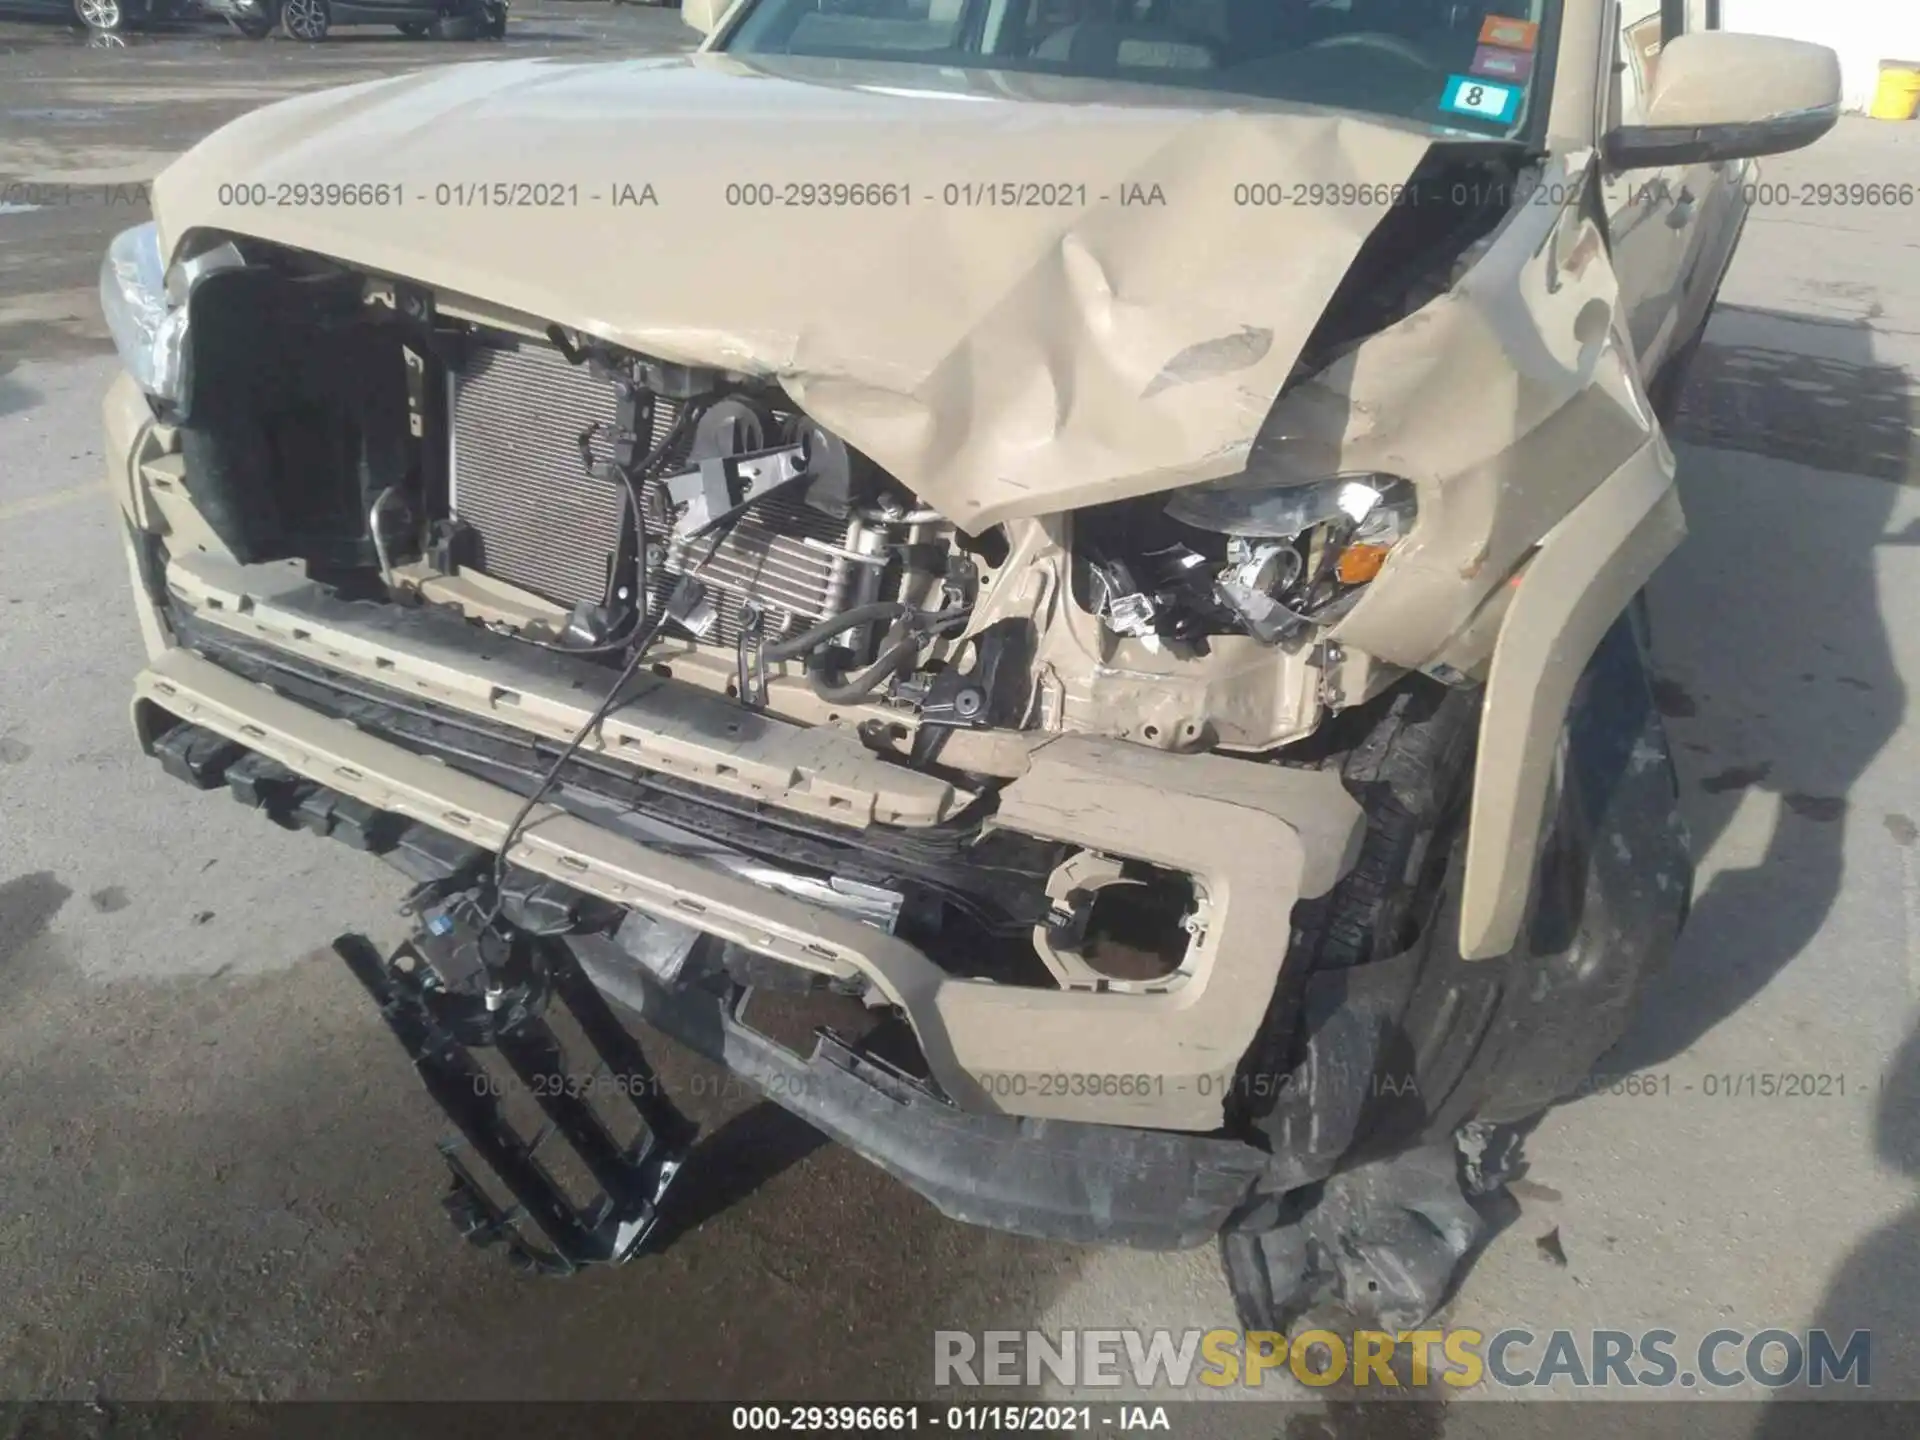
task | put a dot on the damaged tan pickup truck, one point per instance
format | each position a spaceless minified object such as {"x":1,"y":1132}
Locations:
{"x":1102,"y":537}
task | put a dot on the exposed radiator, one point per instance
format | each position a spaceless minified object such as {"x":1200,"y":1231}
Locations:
{"x":541,"y":523}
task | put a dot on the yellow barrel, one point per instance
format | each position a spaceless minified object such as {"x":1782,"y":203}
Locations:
{"x":1898,"y":97}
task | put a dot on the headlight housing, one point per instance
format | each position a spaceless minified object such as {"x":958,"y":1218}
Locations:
{"x":1298,"y":556}
{"x":149,"y":333}
{"x":146,"y":306}
{"x":1374,"y":504}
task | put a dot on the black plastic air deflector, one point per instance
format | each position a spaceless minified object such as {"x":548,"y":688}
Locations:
{"x":197,"y":756}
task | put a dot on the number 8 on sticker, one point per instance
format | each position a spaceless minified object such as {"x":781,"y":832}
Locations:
{"x":1482,"y":99}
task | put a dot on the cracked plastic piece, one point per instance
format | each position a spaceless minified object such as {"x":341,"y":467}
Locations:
{"x":1379,"y":1249}
{"x":199,"y":757}
{"x":543,"y":1228}
{"x":1052,"y":1179}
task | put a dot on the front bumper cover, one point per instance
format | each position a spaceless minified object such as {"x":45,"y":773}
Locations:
{"x":1047,"y":1178}
{"x":1253,"y":838}
{"x":1050,"y":1179}
{"x":991,"y":1048}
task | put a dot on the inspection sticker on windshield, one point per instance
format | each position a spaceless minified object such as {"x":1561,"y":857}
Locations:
{"x":1481,"y":98}
{"x":1514,"y":65}
{"x":1512,"y":34}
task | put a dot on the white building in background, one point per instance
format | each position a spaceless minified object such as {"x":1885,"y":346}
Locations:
{"x":1865,"y":32}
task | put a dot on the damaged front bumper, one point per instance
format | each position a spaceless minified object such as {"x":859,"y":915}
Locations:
{"x":1078,"y":1110}
{"x":1047,"y":1178}
{"x":1171,"y":1053}
{"x":1051,"y":1179}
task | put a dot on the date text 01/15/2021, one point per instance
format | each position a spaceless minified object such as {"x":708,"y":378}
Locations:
{"x":954,"y":195}
{"x":949,"y":1419}
{"x":446,"y":195}
{"x":1260,"y":1085}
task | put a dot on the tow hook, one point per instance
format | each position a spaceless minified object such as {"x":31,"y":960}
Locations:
{"x":456,"y":989}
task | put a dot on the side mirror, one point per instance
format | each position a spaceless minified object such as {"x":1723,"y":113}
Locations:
{"x":1717,"y":95}
{"x":704,"y":15}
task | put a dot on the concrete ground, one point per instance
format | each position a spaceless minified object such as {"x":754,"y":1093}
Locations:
{"x":215,"y":1168}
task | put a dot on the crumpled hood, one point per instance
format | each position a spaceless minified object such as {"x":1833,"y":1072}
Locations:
{"x":1000,"y":359}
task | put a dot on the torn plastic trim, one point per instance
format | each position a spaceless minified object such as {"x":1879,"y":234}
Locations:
{"x":1046,"y":1178}
{"x":1051,"y":1179}
{"x":1254,"y":838}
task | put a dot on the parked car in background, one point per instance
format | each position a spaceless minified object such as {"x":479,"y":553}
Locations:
{"x":108,"y":17}
{"x":314,"y":20}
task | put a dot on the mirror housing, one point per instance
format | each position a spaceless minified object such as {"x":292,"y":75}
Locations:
{"x":1717,"y":95}
{"x":704,"y":15}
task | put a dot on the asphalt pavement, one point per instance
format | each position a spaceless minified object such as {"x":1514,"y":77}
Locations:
{"x":216,"y":1170}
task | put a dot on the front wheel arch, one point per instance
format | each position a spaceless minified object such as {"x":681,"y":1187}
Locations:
{"x":1403,"y":1072}
{"x":1581,"y":578}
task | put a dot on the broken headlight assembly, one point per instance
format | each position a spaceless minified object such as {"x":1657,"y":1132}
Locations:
{"x":1272,"y":561}
{"x":145,"y":306}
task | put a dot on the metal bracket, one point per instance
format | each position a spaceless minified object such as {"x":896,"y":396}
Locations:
{"x":751,"y":679}
{"x":993,"y":691}
{"x":724,"y":484}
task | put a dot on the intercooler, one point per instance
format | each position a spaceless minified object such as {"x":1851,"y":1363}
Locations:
{"x":540,"y":522}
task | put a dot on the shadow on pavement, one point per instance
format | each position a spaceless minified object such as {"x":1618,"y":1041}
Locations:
{"x":1774,"y":597}
{"x":225,"y":1188}
{"x":15,"y":394}
{"x":1783,"y":570}
{"x":1877,"y":1288}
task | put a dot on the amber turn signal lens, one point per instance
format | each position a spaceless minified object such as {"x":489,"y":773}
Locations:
{"x":1360,"y":563}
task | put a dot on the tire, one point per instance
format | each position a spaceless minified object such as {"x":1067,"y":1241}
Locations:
{"x":307,"y":20}
{"x":457,"y":27}
{"x":104,"y":17}
{"x":1450,"y":1060}
{"x":414,"y":29}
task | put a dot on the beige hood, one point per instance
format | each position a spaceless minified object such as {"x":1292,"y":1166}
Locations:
{"x":1002,"y":360}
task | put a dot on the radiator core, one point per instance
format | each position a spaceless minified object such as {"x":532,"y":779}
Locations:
{"x":540,"y":522}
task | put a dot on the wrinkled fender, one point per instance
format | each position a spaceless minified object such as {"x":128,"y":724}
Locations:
{"x":1583,"y":574}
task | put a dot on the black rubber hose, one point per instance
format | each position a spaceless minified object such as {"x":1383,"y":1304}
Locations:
{"x":893,"y":659}
{"x":806,"y":640}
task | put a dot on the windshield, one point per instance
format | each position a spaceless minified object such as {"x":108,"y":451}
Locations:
{"x":1469,"y":64}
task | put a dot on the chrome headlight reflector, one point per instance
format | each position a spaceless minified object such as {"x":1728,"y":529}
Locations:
{"x":145,"y":306}
{"x":149,"y":333}
{"x":1298,"y":555}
